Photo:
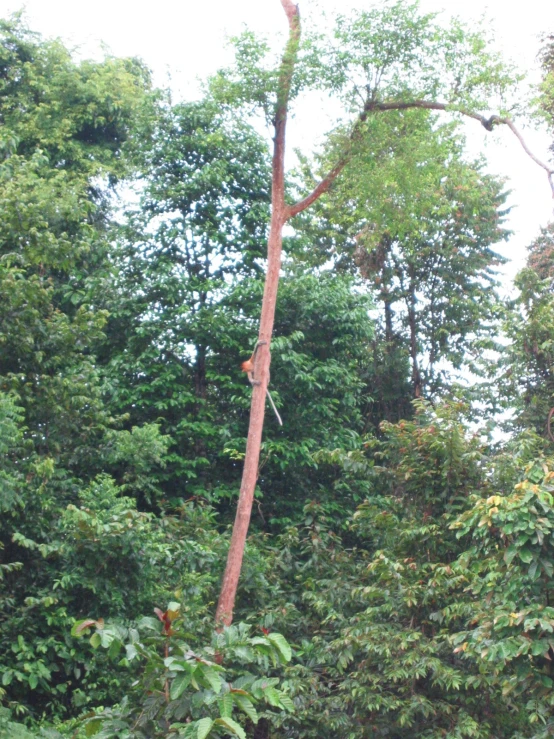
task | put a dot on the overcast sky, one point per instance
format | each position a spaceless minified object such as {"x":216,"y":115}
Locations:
{"x":182,"y":40}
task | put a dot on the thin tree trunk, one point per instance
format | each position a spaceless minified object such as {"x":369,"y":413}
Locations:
{"x":416,"y":375}
{"x":389,"y":336}
{"x":279,"y":215}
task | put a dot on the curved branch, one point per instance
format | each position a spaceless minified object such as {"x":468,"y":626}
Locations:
{"x":373,"y":106}
{"x":318,"y":191}
{"x":517,"y":134}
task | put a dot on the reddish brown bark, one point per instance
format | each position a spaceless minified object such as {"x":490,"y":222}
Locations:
{"x":280,"y":213}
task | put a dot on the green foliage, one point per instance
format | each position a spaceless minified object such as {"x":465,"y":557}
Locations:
{"x":57,"y":159}
{"x":389,"y":52}
{"x":393,"y":51}
{"x":101,"y":553}
{"x":375,"y":617}
{"x":137,"y":452}
{"x":528,"y":381}
{"x":322,"y":334}
{"x":200,"y":228}
{"x":509,"y":571}
{"x":10,"y":729}
{"x":419,"y":224}
{"x":432,"y":461}
{"x":65,"y":128}
{"x":546,"y":100}
{"x":184,"y":308}
{"x":85,"y":113}
{"x":206,"y":693}
{"x":423,"y":612}
{"x":11,"y":437}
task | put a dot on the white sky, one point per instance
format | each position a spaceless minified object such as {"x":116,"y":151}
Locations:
{"x":182,"y":40}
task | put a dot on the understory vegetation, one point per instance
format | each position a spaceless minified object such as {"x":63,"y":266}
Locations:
{"x":398,"y":578}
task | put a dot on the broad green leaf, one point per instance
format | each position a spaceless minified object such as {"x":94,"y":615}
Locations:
{"x":286,"y":701}
{"x":204,"y":727}
{"x":281,"y":644}
{"x":226,"y":705}
{"x":525,"y":555}
{"x":131,"y":652}
{"x":179,"y":685}
{"x":231,"y":726}
{"x":272,"y":696}
{"x":211,"y":676}
{"x":115,"y":648}
{"x":510,"y":553}
{"x":246,"y":705}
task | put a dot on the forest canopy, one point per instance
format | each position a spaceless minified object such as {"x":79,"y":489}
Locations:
{"x":395,"y":568}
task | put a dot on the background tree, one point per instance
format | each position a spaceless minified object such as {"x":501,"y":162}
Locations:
{"x":172,"y":348}
{"x":528,"y":365}
{"x":527,"y":382}
{"x":419,"y":223}
{"x":183,"y":307}
{"x":320,"y":355}
{"x":65,"y":126}
{"x":546,"y":99}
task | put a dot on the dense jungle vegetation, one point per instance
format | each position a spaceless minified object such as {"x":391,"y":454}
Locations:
{"x":399,"y":569}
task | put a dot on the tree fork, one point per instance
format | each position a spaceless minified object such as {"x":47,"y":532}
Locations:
{"x":280,"y":214}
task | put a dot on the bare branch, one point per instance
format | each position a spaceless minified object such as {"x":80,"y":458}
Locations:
{"x":280,"y":213}
{"x":318,"y":191}
{"x":549,"y":172}
{"x":371,"y":106}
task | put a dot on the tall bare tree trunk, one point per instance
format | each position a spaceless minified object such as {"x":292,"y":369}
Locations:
{"x":279,"y":216}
